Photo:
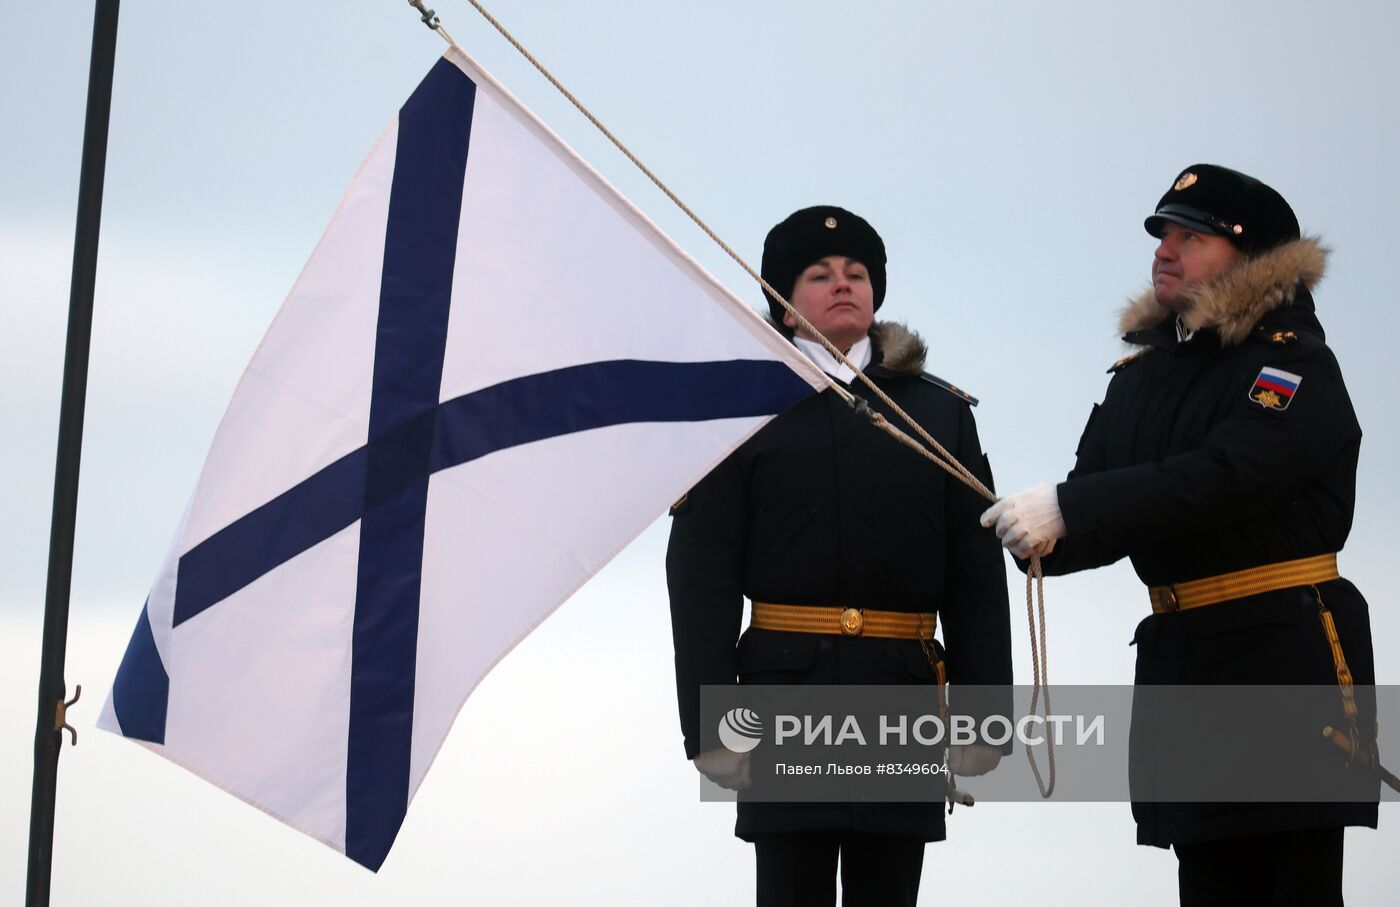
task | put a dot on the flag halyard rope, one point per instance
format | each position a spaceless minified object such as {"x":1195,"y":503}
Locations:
{"x":1041,"y":673}
{"x":939,"y":455}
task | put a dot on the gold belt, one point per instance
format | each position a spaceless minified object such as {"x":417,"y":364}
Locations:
{"x":1307,"y":571}
{"x":844,"y":621}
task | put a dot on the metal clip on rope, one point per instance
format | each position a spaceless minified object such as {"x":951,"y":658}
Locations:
{"x":430,"y":18}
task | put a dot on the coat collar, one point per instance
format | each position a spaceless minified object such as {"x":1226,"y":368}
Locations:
{"x":895,"y":349}
{"x":1261,"y":287}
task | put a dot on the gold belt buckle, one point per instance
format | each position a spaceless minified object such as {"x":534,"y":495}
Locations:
{"x":852,"y":622}
{"x":1170,"y":604}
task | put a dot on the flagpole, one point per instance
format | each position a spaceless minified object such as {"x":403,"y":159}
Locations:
{"x":48,"y":731}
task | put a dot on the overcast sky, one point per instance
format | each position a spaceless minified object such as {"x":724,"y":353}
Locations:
{"x":1006,"y":152}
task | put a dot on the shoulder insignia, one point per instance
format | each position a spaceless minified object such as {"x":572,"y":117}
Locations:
{"x":680,"y":505}
{"x":1275,"y":336}
{"x":1274,"y":388}
{"x":1126,"y":360}
{"x":950,"y":388}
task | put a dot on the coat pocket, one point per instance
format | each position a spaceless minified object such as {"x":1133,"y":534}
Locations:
{"x":777,"y":657}
{"x":1269,"y":639}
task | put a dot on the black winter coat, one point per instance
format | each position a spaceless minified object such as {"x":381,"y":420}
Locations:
{"x":818,"y":508}
{"x":1190,"y":468}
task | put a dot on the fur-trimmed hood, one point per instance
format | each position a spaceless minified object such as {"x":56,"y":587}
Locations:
{"x":900,"y":349}
{"x":1233,"y":304}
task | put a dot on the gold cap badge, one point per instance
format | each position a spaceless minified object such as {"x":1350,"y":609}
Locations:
{"x":1188,"y":179}
{"x":831,"y":223}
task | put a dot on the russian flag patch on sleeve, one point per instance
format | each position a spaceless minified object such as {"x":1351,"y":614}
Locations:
{"x":1274,"y":388}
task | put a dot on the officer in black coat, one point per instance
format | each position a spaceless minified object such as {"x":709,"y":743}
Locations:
{"x":1222,"y":462}
{"x":820,"y":512}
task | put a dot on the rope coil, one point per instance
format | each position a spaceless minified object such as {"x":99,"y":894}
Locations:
{"x":939,"y":455}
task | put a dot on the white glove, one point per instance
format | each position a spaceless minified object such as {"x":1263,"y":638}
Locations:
{"x":1029,"y":522}
{"x":725,"y":768}
{"x":971,"y":759}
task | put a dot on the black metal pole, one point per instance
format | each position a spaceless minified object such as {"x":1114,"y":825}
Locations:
{"x":48,"y":738}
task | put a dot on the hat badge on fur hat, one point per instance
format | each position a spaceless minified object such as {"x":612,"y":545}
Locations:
{"x":1222,"y":202}
{"x":808,"y":236}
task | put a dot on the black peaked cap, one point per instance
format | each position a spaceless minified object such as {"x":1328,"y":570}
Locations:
{"x":1224,"y":202}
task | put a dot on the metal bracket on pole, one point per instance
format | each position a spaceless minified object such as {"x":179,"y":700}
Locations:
{"x":60,"y":718}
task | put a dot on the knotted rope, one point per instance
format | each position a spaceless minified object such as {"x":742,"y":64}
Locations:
{"x":939,"y":455}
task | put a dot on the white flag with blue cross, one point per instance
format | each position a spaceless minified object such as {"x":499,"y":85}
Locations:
{"x":491,"y":375}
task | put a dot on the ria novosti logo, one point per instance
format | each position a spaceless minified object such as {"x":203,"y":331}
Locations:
{"x":740,"y":730}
